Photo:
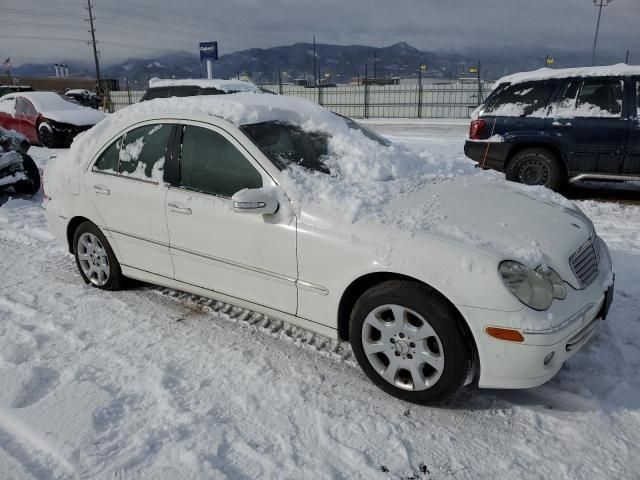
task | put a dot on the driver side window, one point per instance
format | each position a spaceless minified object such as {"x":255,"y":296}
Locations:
{"x":209,"y":163}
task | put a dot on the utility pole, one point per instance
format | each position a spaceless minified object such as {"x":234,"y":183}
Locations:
{"x":627,"y":58}
{"x":599,"y":4}
{"x":315,"y":78}
{"x":375,"y":64}
{"x":95,"y":49}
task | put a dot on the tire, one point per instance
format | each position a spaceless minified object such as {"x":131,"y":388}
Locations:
{"x":96,"y":262}
{"x":45,"y":136}
{"x":424,"y":359}
{"x":537,"y":166}
{"x":30,"y":186}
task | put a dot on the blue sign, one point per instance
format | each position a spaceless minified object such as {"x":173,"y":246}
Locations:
{"x":208,"y":50}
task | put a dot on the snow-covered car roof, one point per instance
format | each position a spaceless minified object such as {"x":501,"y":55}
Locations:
{"x":219,"y":84}
{"x":46,"y":101}
{"x":618,"y":70}
{"x":55,"y":107}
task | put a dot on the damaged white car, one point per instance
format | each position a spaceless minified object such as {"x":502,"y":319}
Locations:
{"x":277,"y":205}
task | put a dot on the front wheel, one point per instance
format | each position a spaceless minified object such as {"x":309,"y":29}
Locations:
{"x":46,"y":136}
{"x":408,"y":341}
{"x":95,"y":259}
{"x":537,"y":166}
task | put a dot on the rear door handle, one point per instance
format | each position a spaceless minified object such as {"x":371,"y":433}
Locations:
{"x":176,"y":208}
{"x":101,"y":190}
{"x":561,"y":125}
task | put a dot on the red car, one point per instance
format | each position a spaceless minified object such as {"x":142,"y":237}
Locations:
{"x":46,"y":118}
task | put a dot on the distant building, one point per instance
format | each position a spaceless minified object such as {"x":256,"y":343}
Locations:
{"x":62,"y":84}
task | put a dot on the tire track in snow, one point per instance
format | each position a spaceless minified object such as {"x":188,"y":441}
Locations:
{"x":20,"y":441}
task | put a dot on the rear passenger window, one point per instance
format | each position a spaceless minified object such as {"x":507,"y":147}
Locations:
{"x":156,"y":93}
{"x":108,"y":161}
{"x":143,"y":150}
{"x":209,"y":163}
{"x":600,"y":98}
{"x":184,"y":92}
{"x":522,"y":100}
{"x":638,"y":98}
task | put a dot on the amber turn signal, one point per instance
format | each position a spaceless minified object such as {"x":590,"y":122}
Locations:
{"x":504,"y":334}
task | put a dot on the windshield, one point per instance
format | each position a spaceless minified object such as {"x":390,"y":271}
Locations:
{"x":286,"y":144}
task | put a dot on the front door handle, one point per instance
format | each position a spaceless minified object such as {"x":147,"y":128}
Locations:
{"x":179,"y":209}
{"x":101,"y":190}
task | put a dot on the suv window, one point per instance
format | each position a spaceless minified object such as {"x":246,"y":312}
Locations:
{"x":143,"y":151}
{"x":156,"y":93}
{"x":600,"y":98}
{"x":211,"y":91}
{"x":184,"y":92}
{"x":108,"y":161}
{"x":209,"y":163}
{"x":522,"y":100}
{"x":638,"y":98}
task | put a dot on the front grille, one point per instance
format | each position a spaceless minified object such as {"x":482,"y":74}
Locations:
{"x":584,"y":262}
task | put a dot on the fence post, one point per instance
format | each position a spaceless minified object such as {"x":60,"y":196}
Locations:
{"x":319,"y":94}
{"x":420,"y":93}
{"x":279,"y":82}
{"x":128,"y":89}
{"x":366,"y":92}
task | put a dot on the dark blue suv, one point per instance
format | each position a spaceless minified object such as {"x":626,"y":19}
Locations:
{"x":551,"y":127}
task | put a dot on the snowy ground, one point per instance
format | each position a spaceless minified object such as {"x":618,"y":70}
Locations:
{"x":155,"y":383}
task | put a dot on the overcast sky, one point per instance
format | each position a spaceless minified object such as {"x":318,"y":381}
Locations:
{"x":55,"y":30}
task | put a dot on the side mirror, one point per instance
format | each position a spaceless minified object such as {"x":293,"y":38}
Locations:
{"x":255,"y":200}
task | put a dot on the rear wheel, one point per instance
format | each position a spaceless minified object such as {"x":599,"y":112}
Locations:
{"x":45,"y":135}
{"x":95,"y":259}
{"x":408,"y":341}
{"x":31,"y":185}
{"x":537,"y":166}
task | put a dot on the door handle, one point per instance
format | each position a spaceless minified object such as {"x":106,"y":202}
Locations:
{"x":101,"y":190}
{"x":561,"y":125}
{"x":179,"y":209}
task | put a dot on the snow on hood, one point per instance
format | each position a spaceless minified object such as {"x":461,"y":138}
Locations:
{"x":80,"y":117}
{"x":618,"y":70}
{"x":219,"y":84}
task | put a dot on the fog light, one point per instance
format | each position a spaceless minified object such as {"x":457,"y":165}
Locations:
{"x":548,"y":358}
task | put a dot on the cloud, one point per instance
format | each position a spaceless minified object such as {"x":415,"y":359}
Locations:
{"x":56,"y":31}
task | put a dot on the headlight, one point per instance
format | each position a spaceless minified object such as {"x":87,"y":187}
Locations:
{"x":536,"y":288}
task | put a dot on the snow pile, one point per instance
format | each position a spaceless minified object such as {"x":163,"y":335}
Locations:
{"x":228,"y":86}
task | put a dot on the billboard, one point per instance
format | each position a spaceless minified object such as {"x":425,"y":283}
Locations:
{"x":208,"y":50}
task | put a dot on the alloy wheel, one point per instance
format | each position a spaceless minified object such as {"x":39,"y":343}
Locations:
{"x":93,"y":259}
{"x":402,"y":347}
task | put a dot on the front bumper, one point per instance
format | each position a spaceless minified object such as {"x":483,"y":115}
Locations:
{"x":505,"y":364}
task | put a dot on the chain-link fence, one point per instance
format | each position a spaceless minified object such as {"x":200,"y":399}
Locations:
{"x":453,"y":100}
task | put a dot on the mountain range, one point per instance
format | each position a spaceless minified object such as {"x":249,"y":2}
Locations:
{"x":340,"y":62}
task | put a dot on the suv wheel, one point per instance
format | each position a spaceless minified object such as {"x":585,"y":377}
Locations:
{"x":95,"y":259}
{"x":408,"y":341}
{"x":536,"y":166}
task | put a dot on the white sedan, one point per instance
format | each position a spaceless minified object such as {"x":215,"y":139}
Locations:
{"x":277,"y":205}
